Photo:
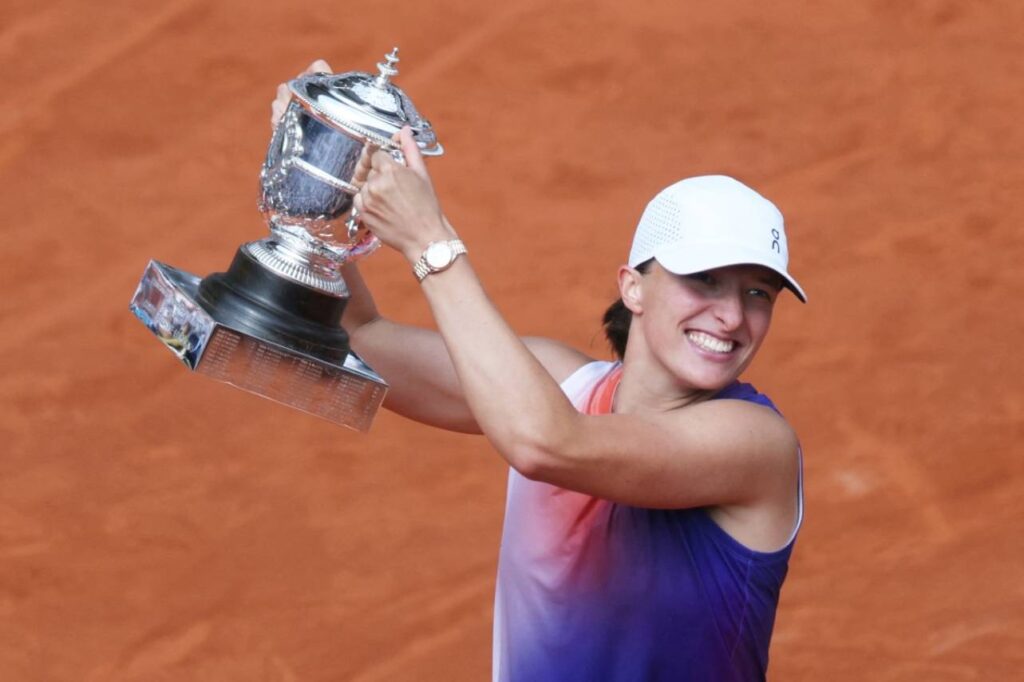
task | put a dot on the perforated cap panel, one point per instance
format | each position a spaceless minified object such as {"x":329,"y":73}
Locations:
{"x":708,"y":222}
{"x":661,"y":223}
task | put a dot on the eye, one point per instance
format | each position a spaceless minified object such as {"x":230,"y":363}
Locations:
{"x":702,"y":277}
{"x":762,"y":293}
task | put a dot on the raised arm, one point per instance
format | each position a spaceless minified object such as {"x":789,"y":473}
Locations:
{"x":413,"y":360}
{"x":721,"y":453}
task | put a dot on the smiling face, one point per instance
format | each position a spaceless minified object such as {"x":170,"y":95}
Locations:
{"x":703,"y":329}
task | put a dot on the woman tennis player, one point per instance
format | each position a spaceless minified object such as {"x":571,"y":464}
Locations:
{"x":653,"y":502}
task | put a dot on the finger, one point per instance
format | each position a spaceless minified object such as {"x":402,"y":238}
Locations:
{"x":363,"y":166}
{"x":276,"y":112}
{"x":380,"y":159}
{"x":411,"y":151}
{"x":318,"y":66}
{"x":283,"y":94}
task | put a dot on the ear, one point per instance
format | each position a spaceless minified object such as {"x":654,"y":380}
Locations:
{"x":631,"y":289}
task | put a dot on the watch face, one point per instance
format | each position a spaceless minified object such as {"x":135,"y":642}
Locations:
{"x":438,"y":255}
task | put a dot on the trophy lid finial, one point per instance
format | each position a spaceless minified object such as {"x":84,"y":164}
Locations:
{"x":367,"y":106}
{"x":387,"y":68}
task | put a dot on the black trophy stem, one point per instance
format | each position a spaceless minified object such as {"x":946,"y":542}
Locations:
{"x":253,"y":298}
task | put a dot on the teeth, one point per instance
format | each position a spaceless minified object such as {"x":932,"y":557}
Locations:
{"x":710,"y":343}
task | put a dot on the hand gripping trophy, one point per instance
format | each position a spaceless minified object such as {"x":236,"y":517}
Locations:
{"x":271,"y":324}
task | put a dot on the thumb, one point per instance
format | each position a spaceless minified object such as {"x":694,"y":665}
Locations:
{"x":411,"y":152}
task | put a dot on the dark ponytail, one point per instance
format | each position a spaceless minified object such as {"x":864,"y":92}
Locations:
{"x":616,"y":323}
{"x":617,"y":319}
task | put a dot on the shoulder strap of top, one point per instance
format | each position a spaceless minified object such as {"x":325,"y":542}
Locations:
{"x":579,"y":385}
{"x":603,"y":395}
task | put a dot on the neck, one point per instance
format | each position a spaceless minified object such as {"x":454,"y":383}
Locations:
{"x":644,"y":388}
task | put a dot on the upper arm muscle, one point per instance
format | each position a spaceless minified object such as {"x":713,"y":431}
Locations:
{"x":558,"y":359}
{"x":719,"y":452}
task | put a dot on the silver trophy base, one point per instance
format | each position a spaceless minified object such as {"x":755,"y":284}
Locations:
{"x":348,"y":392}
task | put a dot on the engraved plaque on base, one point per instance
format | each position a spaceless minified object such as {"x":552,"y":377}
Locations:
{"x":342,"y":389}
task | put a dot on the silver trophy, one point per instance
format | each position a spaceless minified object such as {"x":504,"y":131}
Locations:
{"x":271,"y":323}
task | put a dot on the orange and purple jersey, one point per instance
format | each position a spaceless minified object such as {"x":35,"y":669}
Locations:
{"x":594,"y":590}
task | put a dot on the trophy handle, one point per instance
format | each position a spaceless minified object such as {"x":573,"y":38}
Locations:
{"x":353,"y":224}
{"x":365,"y":246}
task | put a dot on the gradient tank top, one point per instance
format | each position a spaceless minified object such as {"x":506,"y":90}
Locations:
{"x":592,"y":590}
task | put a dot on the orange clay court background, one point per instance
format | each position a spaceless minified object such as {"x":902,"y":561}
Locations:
{"x":157,"y":525}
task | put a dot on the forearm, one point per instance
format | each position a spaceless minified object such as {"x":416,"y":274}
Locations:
{"x":422,"y":384}
{"x":514,"y":399}
{"x":361,"y":308}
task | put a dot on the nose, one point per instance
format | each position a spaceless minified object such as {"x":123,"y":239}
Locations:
{"x":729,"y":310}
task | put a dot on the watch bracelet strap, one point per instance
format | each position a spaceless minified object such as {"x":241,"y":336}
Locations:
{"x":421,"y":269}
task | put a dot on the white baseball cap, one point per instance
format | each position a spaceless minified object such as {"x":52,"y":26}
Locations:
{"x":712,"y":221}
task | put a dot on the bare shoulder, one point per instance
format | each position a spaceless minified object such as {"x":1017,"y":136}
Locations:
{"x":758,"y":436}
{"x":766,"y":510}
{"x":559,"y":359}
{"x":742,"y":419}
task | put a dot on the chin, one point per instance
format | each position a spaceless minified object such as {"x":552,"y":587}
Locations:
{"x":707,"y":381}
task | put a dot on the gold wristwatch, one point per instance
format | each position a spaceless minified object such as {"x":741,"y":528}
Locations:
{"x":437,"y":257}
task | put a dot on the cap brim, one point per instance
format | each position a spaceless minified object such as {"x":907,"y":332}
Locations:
{"x":690,"y":258}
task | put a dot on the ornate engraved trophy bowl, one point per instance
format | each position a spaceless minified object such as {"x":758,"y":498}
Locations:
{"x":306,"y":184}
{"x":270,"y":324}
